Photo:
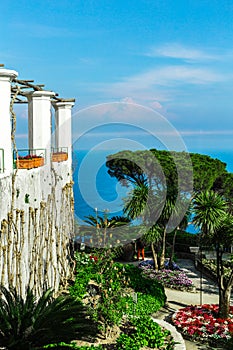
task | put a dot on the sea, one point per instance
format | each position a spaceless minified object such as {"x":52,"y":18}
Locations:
{"x":97,"y":193}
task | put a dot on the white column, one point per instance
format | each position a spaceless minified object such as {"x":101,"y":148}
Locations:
{"x":6,"y":77}
{"x":39,"y":121}
{"x":63,"y":126}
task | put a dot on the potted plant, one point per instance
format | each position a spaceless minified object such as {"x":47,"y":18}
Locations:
{"x":59,"y":156}
{"x":29,"y":161}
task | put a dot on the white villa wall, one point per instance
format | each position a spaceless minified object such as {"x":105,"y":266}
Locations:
{"x":36,"y":205}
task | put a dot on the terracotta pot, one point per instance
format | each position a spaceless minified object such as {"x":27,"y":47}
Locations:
{"x":29,"y":163}
{"x":59,"y":157}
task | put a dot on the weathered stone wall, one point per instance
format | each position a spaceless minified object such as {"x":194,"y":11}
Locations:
{"x":36,"y":205}
{"x":35,"y":234}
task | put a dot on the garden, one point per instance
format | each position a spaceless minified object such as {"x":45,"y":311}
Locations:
{"x":201,"y":323}
{"x":108,"y":306}
{"x":120,"y":299}
{"x":173,"y":278}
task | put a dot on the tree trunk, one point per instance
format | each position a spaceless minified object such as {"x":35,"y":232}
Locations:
{"x":162,"y":257}
{"x":155,"y":257}
{"x":224,"y":307}
{"x":224,"y":286}
{"x":172,"y":251}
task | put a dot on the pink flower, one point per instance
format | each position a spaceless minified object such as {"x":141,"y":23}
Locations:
{"x":200,"y":321}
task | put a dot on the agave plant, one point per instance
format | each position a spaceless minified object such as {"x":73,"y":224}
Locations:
{"x":26,"y":323}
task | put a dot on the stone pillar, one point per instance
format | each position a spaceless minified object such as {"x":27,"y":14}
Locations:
{"x":6,"y":77}
{"x":63,"y":127}
{"x":39,"y":121}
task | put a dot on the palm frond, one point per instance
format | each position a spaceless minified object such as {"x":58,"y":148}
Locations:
{"x":25,"y":323}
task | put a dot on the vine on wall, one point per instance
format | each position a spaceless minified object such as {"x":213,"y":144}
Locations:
{"x":35,"y":242}
{"x":34,"y":252}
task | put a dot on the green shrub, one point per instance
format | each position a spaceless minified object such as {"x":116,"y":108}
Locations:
{"x":26,"y":323}
{"x":183,"y":241}
{"x":107,"y":310}
{"x":146,"y":333}
{"x":145,"y":306}
{"x":85,"y":271}
{"x":144,"y":285}
{"x":149,"y":333}
{"x":65,"y":346}
{"x":111,"y":278}
{"x":125,"y":342}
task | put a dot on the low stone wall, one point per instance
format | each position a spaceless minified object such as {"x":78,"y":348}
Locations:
{"x":180,"y":343}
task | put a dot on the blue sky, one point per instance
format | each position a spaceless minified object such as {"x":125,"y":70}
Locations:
{"x":171,"y":57}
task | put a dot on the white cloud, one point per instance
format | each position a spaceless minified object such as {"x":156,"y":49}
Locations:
{"x":159,"y":86}
{"x":174,"y":50}
{"x":156,"y":105}
{"x":128,"y":100}
{"x":171,"y":75}
{"x":140,"y":132}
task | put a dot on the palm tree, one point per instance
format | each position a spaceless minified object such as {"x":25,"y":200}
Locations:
{"x":182,"y":226}
{"x":216,"y":223}
{"x":159,"y":211}
{"x":167,"y":211}
{"x":142,"y":203}
{"x":135,"y":204}
{"x":29,"y":324}
{"x":209,"y":209}
{"x":174,"y":215}
{"x":153,"y":237}
{"x":105,"y":224}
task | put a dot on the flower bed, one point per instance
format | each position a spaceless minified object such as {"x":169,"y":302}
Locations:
{"x":201,"y":322}
{"x":174,"y":279}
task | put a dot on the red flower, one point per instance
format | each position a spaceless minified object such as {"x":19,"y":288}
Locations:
{"x":93,"y":258}
{"x":200,"y":321}
{"x":29,"y":156}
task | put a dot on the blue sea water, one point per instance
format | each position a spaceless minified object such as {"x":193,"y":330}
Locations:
{"x":95,"y":189}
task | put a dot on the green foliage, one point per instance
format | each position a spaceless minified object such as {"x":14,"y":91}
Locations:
{"x":136,"y":167}
{"x":125,"y":342}
{"x":224,"y":185}
{"x":104,"y":228}
{"x":184,"y":240}
{"x":146,"y":333}
{"x":145,"y":285}
{"x":27,"y":323}
{"x":86,"y":269}
{"x":149,"y":333}
{"x":26,"y":198}
{"x":212,"y":213}
{"x":136,"y":203}
{"x":145,"y":306}
{"x":110,"y":277}
{"x":104,"y":222}
{"x":206,"y":171}
{"x":210,"y":210}
{"x":64,"y":346}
